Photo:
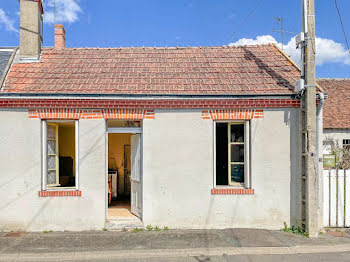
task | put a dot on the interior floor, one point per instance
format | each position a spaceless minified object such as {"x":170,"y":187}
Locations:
{"x":120,"y":208}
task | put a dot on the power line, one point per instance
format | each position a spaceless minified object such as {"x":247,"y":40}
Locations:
{"x":244,"y":20}
{"x":342,"y":25}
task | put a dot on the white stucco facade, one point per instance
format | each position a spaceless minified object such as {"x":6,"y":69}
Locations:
{"x":178,"y":174}
{"x":20,"y":178}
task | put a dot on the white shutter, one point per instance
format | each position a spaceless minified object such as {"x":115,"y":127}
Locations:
{"x":246,"y":155}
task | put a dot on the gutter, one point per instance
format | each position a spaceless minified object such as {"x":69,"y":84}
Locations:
{"x":143,"y":96}
{"x":319,"y":128}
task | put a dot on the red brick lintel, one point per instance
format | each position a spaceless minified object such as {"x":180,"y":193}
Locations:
{"x":232,"y":191}
{"x":242,"y":103}
{"x":59,"y":193}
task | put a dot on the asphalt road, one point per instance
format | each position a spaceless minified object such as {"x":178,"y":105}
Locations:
{"x":316,"y":257}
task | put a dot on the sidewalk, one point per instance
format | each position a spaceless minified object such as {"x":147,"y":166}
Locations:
{"x":83,"y":245}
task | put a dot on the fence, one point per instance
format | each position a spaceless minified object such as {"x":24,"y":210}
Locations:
{"x":336,"y":198}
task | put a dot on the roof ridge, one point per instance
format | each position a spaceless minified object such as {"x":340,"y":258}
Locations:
{"x":163,"y":47}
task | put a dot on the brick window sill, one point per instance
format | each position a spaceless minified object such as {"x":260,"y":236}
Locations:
{"x":232,"y":191}
{"x":59,"y":193}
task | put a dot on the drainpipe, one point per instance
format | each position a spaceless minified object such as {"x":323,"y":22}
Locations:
{"x":319,"y":128}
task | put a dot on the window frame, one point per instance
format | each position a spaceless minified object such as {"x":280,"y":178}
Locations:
{"x":44,"y":124}
{"x":247,"y":177}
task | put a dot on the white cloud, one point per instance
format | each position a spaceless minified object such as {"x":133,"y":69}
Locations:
{"x":327,"y":50}
{"x":7,"y":22}
{"x":66,"y":11}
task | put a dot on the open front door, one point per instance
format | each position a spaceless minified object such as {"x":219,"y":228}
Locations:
{"x":136,"y":184}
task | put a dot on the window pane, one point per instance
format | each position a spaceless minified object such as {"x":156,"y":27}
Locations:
{"x":237,"y":173}
{"x":237,"y":133}
{"x":51,"y":162}
{"x":237,"y":153}
{"x":51,"y":177}
{"x":51,"y":132}
{"x":51,"y":147}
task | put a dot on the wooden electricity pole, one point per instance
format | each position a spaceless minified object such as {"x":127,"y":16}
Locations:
{"x":309,"y":159}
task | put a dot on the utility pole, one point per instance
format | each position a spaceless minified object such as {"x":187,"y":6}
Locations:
{"x":309,"y":212}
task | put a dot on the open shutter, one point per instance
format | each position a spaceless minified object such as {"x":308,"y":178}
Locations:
{"x":136,"y":179}
{"x":52,"y":155}
{"x":247,"y":154}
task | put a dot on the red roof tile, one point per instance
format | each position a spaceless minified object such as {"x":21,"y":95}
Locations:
{"x":261,"y":69}
{"x":336,"y":112}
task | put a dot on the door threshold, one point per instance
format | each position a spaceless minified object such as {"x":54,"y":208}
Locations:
{"x":118,"y":223}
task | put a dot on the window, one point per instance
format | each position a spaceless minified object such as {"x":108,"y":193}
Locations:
{"x":60,"y":154}
{"x":232,"y":153}
{"x":346,"y":152}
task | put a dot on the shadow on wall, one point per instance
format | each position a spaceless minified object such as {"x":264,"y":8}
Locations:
{"x":295,"y":173}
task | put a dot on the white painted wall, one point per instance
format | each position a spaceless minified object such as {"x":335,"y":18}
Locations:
{"x":20,"y":178}
{"x":178,"y":172}
{"x":336,"y":135}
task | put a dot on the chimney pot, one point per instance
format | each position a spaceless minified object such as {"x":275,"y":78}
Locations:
{"x":60,"y":37}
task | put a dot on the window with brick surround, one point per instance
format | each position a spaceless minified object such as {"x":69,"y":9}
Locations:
{"x":60,"y":154}
{"x":232,"y":154}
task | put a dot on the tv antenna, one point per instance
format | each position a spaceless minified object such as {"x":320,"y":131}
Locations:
{"x":280,"y":20}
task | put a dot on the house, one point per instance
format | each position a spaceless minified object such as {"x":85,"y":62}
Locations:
{"x":192,"y":137}
{"x":336,"y":114}
{"x":6,"y":54}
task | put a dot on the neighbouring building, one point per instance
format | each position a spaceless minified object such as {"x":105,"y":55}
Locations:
{"x":6,"y":54}
{"x":193,"y":137}
{"x":336,"y":113}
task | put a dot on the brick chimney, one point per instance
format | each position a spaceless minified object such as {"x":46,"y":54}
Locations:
{"x":60,"y":37}
{"x":31,"y":12}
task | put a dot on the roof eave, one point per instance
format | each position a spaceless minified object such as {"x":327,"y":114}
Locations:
{"x":145,"y":96}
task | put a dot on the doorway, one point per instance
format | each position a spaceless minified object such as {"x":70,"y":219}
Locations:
{"x":124,"y":187}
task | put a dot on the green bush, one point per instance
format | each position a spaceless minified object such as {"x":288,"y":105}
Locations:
{"x":295,"y":230}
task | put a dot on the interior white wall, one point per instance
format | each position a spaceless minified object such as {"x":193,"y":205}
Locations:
{"x":20,"y":178}
{"x":178,"y":172}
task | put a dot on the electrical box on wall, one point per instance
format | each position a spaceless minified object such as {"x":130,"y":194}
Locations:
{"x":299,"y":86}
{"x":299,"y":39}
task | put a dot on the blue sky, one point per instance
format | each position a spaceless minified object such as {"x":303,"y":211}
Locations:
{"x":114,"y":23}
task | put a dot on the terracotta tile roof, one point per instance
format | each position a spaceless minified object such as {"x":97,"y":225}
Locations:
{"x":261,"y":69}
{"x":336,"y":113}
